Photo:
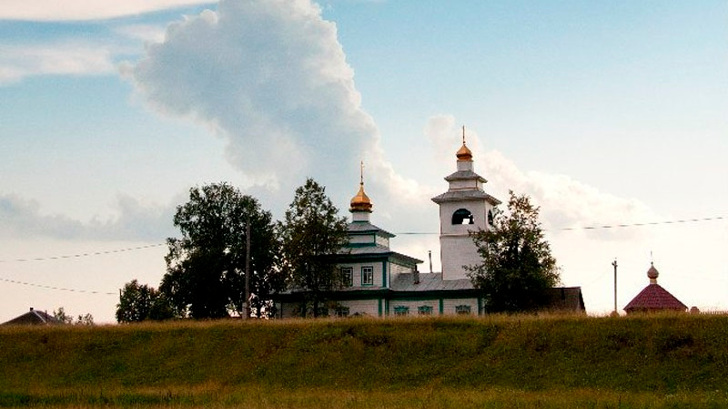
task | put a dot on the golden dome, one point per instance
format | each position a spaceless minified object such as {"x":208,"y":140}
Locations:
{"x":464,"y":153}
{"x":361,"y":202}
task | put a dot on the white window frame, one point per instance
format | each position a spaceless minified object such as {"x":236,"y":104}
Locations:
{"x":367,"y":275}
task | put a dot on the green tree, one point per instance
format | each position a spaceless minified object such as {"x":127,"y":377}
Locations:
{"x":60,"y":315}
{"x":206,"y":267}
{"x":86,"y":319}
{"x":140,"y":302}
{"x":518,"y":269}
{"x":311,"y":234}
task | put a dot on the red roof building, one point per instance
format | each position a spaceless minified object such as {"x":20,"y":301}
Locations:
{"x":654,"y":297}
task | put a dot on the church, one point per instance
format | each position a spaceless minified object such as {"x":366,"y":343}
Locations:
{"x":654,"y":298}
{"x":379,"y":282}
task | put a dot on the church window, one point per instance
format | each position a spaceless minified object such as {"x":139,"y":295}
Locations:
{"x":424,"y":310}
{"x":367,"y":275}
{"x":462,"y":216}
{"x":347,"y":276}
{"x":401,"y":310}
{"x":462,"y":310}
{"x":490,"y":217}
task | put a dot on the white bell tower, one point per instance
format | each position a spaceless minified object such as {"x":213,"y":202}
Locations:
{"x":465,"y":207}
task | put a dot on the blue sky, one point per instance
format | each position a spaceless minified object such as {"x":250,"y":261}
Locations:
{"x":604,"y":112}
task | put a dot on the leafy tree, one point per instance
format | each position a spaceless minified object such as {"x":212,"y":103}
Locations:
{"x":518,"y":268}
{"x":139,"y":302}
{"x":206,"y":267}
{"x":86,"y":319}
{"x":311,"y":234}
{"x":60,"y":315}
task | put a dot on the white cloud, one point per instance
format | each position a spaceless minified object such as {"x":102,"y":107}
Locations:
{"x":64,"y":58}
{"x":565,"y":202}
{"x":271,"y":78}
{"x":145,"y":32}
{"x":51,"y":10}
{"x":23,"y":219}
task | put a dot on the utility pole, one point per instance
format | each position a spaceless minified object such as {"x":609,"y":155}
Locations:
{"x":614,"y":263}
{"x":247,"y":269}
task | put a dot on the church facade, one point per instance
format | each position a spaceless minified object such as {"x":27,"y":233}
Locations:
{"x":380,"y":282}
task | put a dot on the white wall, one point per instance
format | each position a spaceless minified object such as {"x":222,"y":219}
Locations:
{"x":377,"y":267}
{"x":366,"y":307}
{"x":413,"y":305}
{"x":448,"y":305}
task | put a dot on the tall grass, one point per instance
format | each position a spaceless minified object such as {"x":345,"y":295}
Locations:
{"x":496,"y":361}
{"x":435,"y":398}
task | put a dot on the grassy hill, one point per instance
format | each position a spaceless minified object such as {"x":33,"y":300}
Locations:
{"x":655,"y":361}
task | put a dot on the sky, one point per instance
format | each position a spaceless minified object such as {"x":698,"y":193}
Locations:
{"x":611,"y":116}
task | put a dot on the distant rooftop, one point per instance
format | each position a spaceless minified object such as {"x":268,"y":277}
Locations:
{"x":34,"y":317}
{"x":654,"y":297}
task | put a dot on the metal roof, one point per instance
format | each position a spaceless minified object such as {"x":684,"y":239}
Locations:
{"x":374,"y":250}
{"x":465,"y":175}
{"x":366,"y":227}
{"x":429,"y":282}
{"x":568,"y":299}
{"x":458,"y":195}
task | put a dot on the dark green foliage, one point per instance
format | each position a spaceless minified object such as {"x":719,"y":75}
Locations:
{"x":311,"y":233}
{"x":206,"y":267}
{"x":140,"y":302}
{"x":518,"y":268}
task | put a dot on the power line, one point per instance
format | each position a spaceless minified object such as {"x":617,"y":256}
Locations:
{"x":129,"y":249}
{"x":73,"y":256}
{"x":608,"y":226}
{"x":49,"y":287}
{"x":596,"y":227}
{"x":614,"y":226}
{"x":82,"y":255}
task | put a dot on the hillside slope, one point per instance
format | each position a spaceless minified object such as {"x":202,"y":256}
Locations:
{"x":659,"y":353}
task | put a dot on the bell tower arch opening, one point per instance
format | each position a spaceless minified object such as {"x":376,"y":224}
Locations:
{"x":462,"y":216}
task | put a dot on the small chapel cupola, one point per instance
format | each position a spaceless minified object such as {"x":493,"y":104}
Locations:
{"x":360,"y":205}
{"x":464,"y":208}
{"x":652,"y":274}
{"x":361,"y":231}
{"x":464,"y":154}
{"x":654,"y":298}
